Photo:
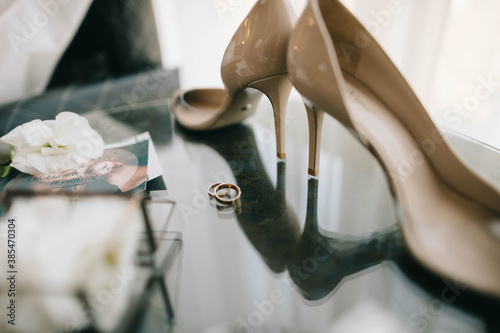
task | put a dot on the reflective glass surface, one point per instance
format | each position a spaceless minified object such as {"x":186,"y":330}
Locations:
{"x":300,"y":254}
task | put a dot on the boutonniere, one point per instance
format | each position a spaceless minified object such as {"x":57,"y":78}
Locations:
{"x":53,"y":146}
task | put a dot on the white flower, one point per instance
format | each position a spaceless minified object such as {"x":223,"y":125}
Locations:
{"x":54,"y":146}
{"x":60,"y":254}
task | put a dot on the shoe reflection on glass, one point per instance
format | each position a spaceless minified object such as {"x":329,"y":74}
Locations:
{"x":450,"y":215}
{"x":320,"y":263}
{"x":264,"y":215}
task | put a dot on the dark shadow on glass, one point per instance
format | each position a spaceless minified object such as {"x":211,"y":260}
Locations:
{"x":138,"y":101}
{"x":265,"y":218}
{"x":449,"y":292}
{"x":320,"y":263}
{"x":155,"y":118}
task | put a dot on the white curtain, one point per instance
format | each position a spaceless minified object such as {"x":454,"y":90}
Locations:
{"x":449,"y":52}
{"x":446,"y":49}
{"x":34,"y":35}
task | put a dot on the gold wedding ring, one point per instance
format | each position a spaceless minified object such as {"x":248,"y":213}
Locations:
{"x":226,"y":197}
{"x":221,"y":198}
{"x":211,"y":189}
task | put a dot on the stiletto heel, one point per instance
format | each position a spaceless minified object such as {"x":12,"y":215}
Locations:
{"x":315,"y":121}
{"x":447,"y":211}
{"x":254,"y":58}
{"x":277,"y":89}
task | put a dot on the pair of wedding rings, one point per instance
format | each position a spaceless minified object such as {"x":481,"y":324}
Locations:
{"x":225,"y":193}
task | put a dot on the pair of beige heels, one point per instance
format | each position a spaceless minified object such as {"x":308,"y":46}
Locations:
{"x":450,"y":216}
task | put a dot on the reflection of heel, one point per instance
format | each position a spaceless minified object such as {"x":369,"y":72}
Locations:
{"x":281,"y":179}
{"x":318,"y":263}
{"x":277,"y":89}
{"x":265,"y":218}
{"x":315,"y":120}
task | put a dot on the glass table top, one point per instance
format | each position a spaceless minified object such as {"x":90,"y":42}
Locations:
{"x":301,"y":254}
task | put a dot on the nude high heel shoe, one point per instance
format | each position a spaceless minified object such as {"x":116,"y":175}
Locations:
{"x":255,"y":58}
{"x":449,"y":215}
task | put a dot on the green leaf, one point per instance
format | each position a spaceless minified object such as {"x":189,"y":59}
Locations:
{"x":5,"y":169}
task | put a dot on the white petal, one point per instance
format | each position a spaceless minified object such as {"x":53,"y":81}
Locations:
{"x":54,"y":146}
{"x":34,"y":133}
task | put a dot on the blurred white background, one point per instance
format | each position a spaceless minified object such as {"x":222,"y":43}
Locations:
{"x":448,"y":50}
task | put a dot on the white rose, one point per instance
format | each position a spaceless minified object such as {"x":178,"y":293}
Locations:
{"x":54,"y":146}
